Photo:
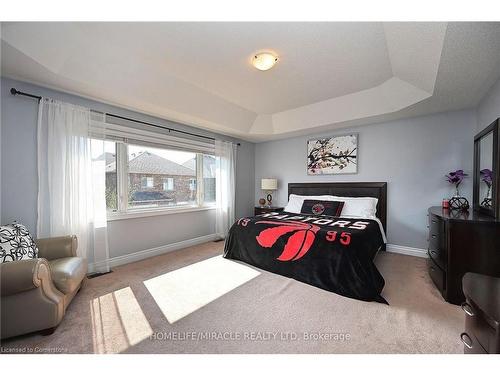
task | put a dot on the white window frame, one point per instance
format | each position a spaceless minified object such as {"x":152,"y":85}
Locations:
{"x":148,"y":179}
{"x":122,"y":177}
{"x":168,"y":184}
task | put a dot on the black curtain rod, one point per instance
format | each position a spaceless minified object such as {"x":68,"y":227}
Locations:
{"x":13,"y":91}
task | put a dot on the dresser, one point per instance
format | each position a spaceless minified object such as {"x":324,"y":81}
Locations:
{"x":461,"y":242}
{"x":482,"y":314}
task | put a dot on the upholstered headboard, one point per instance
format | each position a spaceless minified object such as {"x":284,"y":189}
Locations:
{"x":347,"y":189}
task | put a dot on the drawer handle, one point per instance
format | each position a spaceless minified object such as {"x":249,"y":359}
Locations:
{"x":467,"y":309}
{"x":433,"y":236}
{"x":434,"y":221}
{"x":433,"y":252}
{"x":467,"y":344}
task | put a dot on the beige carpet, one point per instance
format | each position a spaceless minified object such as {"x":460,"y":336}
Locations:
{"x":194,"y":301}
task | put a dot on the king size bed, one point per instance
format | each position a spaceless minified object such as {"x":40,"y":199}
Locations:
{"x":325,"y":237}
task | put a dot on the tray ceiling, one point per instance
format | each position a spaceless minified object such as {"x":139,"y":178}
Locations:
{"x":330,"y":75}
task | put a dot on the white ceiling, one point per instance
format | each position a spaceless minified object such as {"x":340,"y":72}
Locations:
{"x":330,"y":75}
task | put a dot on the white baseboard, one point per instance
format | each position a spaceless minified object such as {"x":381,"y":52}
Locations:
{"x":406,"y":250}
{"x":148,"y":253}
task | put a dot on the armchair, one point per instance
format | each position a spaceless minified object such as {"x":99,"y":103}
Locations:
{"x":35,"y":293}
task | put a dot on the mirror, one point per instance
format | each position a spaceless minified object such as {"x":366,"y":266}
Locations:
{"x":485,"y":170}
{"x":486,"y":163}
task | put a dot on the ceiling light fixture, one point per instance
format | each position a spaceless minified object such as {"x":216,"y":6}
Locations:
{"x":264,"y":60}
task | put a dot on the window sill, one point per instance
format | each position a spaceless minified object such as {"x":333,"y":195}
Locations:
{"x":155,"y":212}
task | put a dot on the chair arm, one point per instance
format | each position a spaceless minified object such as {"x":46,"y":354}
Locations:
{"x":57,"y":247}
{"x":23,"y":275}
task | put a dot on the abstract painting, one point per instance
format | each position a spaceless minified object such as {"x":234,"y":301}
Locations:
{"x":334,"y":155}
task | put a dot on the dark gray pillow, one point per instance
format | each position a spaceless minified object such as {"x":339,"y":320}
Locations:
{"x":318,"y":207}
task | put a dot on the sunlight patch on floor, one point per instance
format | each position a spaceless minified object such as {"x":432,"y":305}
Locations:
{"x":183,"y":291}
{"x":118,"y":321}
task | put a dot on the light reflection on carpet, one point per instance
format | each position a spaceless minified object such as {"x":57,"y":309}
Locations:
{"x":183,"y":291}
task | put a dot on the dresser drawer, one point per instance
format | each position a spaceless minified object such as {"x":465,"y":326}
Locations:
{"x":436,"y":225}
{"x":437,"y":274}
{"x":471,"y":345}
{"x":438,"y":257}
{"x":437,"y":241}
{"x":477,"y":326}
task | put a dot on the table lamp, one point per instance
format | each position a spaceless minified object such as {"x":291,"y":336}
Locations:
{"x":269,"y":185}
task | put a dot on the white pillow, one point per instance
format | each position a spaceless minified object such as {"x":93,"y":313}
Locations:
{"x":365,"y":207}
{"x":16,"y":243}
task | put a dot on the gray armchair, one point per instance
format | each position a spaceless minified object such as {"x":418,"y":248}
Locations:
{"x":36,"y":292}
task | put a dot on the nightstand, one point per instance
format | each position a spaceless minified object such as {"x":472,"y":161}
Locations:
{"x":263,"y":210}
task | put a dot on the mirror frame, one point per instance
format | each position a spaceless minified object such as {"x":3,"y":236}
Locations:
{"x":495,"y":194}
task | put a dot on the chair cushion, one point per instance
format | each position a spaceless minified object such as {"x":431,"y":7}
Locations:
{"x":16,"y":243}
{"x":68,"y":273}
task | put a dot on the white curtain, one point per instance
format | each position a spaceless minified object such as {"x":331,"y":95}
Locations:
{"x":225,"y":156}
{"x":71,"y":179}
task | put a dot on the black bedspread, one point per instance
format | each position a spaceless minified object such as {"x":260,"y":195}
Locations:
{"x":332,"y":253}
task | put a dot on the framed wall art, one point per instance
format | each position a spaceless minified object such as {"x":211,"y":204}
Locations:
{"x":333,"y":155}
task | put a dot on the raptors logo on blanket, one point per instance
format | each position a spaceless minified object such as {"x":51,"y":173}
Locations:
{"x":332,"y":253}
{"x":298,"y":243}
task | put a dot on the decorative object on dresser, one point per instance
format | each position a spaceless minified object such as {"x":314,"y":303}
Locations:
{"x":482,"y":314}
{"x":486,"y":177}
{"x":264,"y":210}
{"x":262,"y":202}
{"x":334,"y":155}
{"x":457,"y":202}
{"x":269,"y":185}
{"x":486,"y":163}
{"x":460,"y":242}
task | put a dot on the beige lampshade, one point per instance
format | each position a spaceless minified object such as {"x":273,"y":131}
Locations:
{"x":269,"y":184}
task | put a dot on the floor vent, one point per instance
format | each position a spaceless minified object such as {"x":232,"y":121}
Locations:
{"x":97,"y":274}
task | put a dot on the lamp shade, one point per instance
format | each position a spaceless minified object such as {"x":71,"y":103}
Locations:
{"x":269,"y":184}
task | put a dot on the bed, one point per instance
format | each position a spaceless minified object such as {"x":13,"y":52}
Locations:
{"x":334,"y":253}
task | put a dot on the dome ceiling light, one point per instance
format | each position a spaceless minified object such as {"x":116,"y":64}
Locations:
{"x":264,"y":60}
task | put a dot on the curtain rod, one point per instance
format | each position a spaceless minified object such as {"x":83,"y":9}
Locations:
{"x":14,"y":92}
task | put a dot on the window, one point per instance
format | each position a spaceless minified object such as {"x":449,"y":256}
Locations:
{"x":151,"y":175}
{"x":141,"y":178}
{"x":109,"y":159}
{"x":168,"y":183}
{"x":209,"y":179}
{"x":147,"y":182}
{"x":192,"y":184}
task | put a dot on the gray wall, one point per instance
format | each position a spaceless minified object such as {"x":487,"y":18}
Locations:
{"x":19,"y":175}
{"x":488,"y":109}
{"x":412,"y":155}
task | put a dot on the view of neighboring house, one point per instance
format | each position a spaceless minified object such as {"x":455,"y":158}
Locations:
{"x":156,"y":181}
{"x":208,"y":176}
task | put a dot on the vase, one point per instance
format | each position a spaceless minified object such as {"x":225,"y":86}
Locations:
{"x":487,"y":199}
{"x":457,"y":202}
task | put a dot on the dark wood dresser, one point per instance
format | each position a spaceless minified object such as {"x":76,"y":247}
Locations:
{"x":461,"y":242}
{"x":482,"y":314}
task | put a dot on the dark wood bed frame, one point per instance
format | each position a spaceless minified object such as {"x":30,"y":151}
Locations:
{"x":347,"y":189}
